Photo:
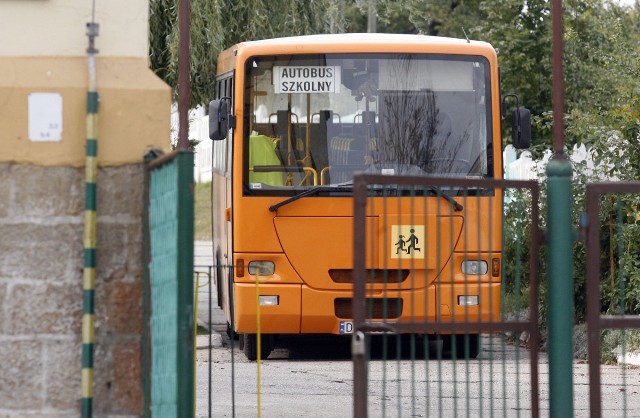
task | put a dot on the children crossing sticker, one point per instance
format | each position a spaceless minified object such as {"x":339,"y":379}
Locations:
{"x":407,"y":241}
{"x":313,"y":79}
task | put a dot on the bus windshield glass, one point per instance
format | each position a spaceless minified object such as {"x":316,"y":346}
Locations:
{"x":315,"y":120}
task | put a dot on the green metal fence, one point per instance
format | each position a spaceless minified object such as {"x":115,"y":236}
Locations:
{"x":169,"y":289}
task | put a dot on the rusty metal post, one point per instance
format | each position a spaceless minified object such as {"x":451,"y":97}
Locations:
{"x":593,"y":300}
{"x":557,"y":75}
{"x":358,"y":343}
{"x":184,"y":21}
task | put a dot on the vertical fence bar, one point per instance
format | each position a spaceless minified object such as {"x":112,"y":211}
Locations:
{"x":210,"y":349}
{"x":534,"y":294}
{"x":593,"y":300}
{"x":359,"y":277}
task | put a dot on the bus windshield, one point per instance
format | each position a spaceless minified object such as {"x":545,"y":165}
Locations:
{"x":315,"y":120}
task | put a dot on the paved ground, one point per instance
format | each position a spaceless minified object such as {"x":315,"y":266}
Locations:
{"x":312,"y":376}
{"x":203,"y":261}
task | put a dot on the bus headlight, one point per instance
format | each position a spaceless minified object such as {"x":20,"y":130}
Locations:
{"x":468,"y":300}
{"x":268,"y":300}
{"x":261,"y":268}
{"x":475,"y":267}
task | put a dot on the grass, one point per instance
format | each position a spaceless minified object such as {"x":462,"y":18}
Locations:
{"x":202,"y":222}
{"x":202,"y":330}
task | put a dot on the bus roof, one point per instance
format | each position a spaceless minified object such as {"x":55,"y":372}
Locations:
{"x":351,"y":43}
{"x":373,"y":38}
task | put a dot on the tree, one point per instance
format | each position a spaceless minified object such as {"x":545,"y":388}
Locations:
{"x":218,"y":24}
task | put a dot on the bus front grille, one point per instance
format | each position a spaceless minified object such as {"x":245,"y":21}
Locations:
{"x":373,"y":275}
{"x":389,"y":308}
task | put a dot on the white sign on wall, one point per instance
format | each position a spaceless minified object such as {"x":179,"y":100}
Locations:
{"x":321,"y":79}
{"x":45,"y":117}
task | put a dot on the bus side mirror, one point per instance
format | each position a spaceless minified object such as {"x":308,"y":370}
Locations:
{"x":521,"y":128}
{"x":218,"y":119}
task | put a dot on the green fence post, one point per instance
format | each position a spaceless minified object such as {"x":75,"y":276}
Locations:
{"x":561,"y":312}
{"x":170,"y":259}
{"x":186,"y":389}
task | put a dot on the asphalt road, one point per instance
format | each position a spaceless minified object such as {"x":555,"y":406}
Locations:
{"x":312,"y":376}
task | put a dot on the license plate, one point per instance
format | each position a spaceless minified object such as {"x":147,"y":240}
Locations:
{"x":346,"y":327}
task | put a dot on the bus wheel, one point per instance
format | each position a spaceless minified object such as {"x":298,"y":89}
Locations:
{"x":249,"y":344}
{"x":467,"y":345}
{"x":219,"y":279}
{"x":231,"y":333}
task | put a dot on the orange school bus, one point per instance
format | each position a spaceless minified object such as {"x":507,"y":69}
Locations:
{"x":293,"y":120}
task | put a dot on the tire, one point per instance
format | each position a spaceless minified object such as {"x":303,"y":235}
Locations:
{"x":467,"y":346}
{"x":249,"y":345}
{"x":231,"y":333}
{"x":219,"y":279}
{"x":219,"y":288}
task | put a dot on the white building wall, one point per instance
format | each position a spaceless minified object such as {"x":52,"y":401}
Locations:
{"x":57,"y":27}
{"x":198,"y":131}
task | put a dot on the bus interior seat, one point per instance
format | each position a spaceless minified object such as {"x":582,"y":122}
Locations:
{"x":365,"y":131}
{"x":341,"y":158}
{"x":364,"y":125}
{"x":321,"y":133}
{"x":282,"y":132}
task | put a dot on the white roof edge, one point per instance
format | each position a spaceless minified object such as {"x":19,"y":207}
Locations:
{"x":366,"y":37}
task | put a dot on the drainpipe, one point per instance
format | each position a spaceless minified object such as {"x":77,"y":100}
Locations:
{"x":89,"y":273}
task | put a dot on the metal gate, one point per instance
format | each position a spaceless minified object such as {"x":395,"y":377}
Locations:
{"x":398,"y":363}
{"x":618,"y":203}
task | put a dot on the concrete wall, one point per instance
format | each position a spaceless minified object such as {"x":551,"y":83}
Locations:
{"x":57,"y":27}
{"x":42,"y":204}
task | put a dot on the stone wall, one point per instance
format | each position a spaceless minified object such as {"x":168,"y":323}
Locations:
{"x":42,"y":202}
{"x":41,"y":270}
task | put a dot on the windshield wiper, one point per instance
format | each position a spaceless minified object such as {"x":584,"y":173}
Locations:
{"x":419,"y":191}
{"x":438,"y":191}
{"x":345,"y":187}
{"x":308,"y":192}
